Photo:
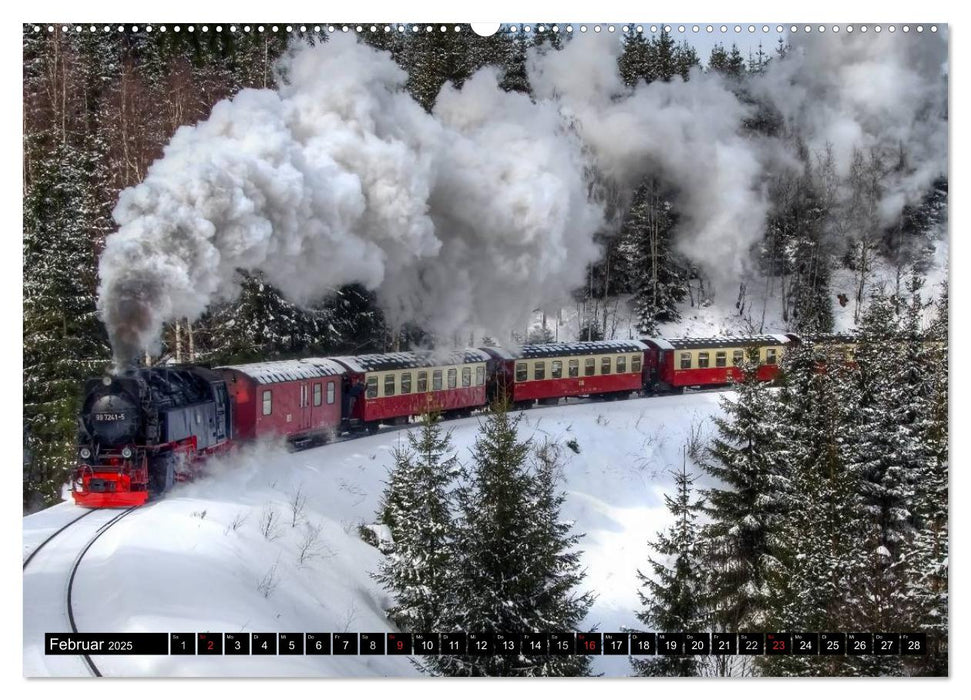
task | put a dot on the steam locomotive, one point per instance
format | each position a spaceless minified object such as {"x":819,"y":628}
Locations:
{"x":144,"y":429}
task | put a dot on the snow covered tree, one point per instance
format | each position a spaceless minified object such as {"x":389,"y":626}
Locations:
{"x":673,"y":596}
{"x":825,"y":531}
{"x":64,"y":342}
{"x":929,"y":561}
{"x":655,"y":270}
{"x":794,"y":251}
{"x":515,"y":566}
{"x":885,"y":458}
{"x":923,"y":378}
{"x":416,"y":508}
{"x":261,"y":324}
{"x":748,"y":505}
{"x":728,"y":63}
{"x":657,"y":58}
{"x":884,"y":452}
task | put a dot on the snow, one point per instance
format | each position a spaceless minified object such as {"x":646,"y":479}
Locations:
{"x":180,"y":565}
{"x":288,"y":370}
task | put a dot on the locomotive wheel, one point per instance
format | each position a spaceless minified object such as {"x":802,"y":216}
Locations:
{"x":372,"y":427}
{"x":161,"y":474}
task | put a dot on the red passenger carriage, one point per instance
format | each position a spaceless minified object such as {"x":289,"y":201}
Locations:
{"x":296,"y":399}
{"x":390,"y":387}
{"x":683,"y":362}
{"x":550,"y":371}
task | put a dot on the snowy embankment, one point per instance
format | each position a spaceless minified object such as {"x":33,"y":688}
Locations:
{"x":204,"y":558}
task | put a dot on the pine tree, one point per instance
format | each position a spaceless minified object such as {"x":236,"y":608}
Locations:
{"x":262,"y":324}
{"x":673,"y":598}
{"x":655,"y":270}
{"x":728,"y":63}
{"x":884,"y":452}
{"x":63,"y":341}
{"x":882,"y":459}
{"x":514,"y":571}
{"x":930,"y":557}
{"x":416,"y":508}
{"x":825,"y":531}
{"x":633,"y":62}
{"x":924,"y":376}
{"x":747,"y":509}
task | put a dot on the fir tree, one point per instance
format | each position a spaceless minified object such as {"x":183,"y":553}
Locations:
{"x":416,"y":508}
{"x":262,"y":324}
{"x":656,"y":274}
{"x":747,"y":509}
{"x":63,"y":340}
{"x":728,"y":63}
{"x":673,"y":598}
{"x":824,"y":533}
{"x":883,"y":460}
{"x":929,"y":555}
{"x":514,"y":571}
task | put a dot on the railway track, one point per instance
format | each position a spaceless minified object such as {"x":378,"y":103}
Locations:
{"x":61,"y":529}
{"x":88,"y":661}
{"x":57,"y":570}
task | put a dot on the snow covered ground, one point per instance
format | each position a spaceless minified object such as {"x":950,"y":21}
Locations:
{"x":199,"y":560}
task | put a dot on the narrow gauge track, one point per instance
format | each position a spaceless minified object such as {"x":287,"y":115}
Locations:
{"x":55,"y":534}
{"x":89,"y":662}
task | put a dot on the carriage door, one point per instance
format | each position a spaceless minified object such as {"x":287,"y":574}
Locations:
{"x":316,"y":408}
{"x":222,"y":411}
{"x":304,"y":406}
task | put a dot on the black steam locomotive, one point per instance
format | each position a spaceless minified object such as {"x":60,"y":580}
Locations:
{"x":142,"y":429}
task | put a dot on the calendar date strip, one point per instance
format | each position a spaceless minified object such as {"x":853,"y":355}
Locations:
{"x":489,"y":644}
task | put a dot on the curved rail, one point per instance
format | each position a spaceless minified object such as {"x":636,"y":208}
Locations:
{"x":59,"y":531}
{"x":74,"y":570}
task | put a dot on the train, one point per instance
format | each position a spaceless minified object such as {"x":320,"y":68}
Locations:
{"x":142,"y":430}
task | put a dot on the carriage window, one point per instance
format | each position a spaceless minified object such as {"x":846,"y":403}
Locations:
{"x":317,"y":394}
{"x":331,"y":390}
{"x":406,"y":382}
{"x":479,"y":375}
{"x":267,"y":402}
{"x":621,"y":364}
{"x":452,"y":375}
{"x":574,"y":368}
{"x":539,"y":370}
{"x":589,"y":367}
{"x":372,"y":387}
{"x":422,"y":381}
{"x":521,"y":371}
{"x":686,"y":360}
{"x":635,"y":363}
{"x":466,"y":376}
{"x":557,"y":370}
{"x":437,"y":380}
{"x":738,"y":357}
{"x":605,"y":365}
{"x":721,"y":358}
{"x":389,"y":385}
{"x":770,"y":355}
{"x":702,"y":359}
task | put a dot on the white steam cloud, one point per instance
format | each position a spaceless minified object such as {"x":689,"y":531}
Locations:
{"x":686,"y":133}
{"x":861,"y":92}
{"x":843,"y":92}
{"x":472,"y":216}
